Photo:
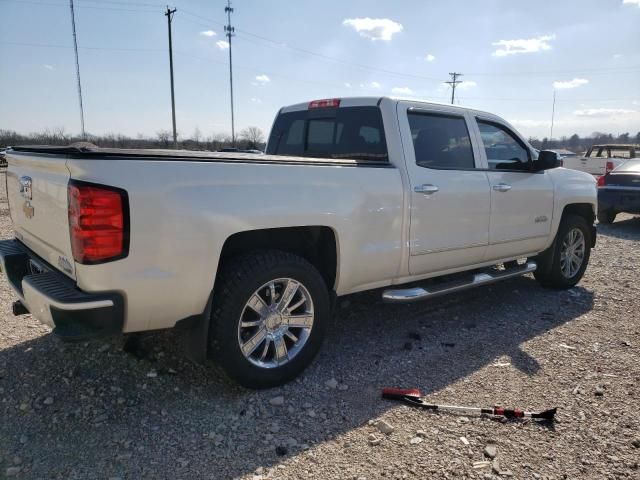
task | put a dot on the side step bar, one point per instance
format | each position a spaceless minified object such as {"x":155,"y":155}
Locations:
{"x":415,"y":294}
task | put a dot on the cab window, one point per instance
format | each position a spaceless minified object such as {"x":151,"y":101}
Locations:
{"x":441,"y":141}
{"x":503,"y":149}
{"x":348,"y":132}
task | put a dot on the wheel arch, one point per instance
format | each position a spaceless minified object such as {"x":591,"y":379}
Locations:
{"x":317,"y":244}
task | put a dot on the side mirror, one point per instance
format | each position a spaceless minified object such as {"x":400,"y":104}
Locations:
{"x":547,"y":159}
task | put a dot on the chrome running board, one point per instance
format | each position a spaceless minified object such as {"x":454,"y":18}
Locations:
{"x":414,"y":294}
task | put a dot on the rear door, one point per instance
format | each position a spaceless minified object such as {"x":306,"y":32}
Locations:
{"x":449,"y":197}
{"x":37,"y":193}
{"x":521,"y":199}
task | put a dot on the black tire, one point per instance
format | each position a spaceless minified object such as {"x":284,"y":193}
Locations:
{"x":606,"y":216}
{"x":550,"y":275}
{"x":236,"y":283}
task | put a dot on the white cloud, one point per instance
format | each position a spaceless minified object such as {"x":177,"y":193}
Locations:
{"x":631,"y":2}
{"x":48,"y":67}
{"x":576,"y":82}
{"x":402,"y":91}
{"x":374,"y":28}
{"x":347,"y":84}
{"x":263,"y":79}
{"x":429,"y":57}
{"x":602,"y":112}
{"x":618,"y":55}
{"x":256,"y":100}
{"x":371,"y":86}
{"x":222,"y":44}
{"x":208,"y":33}
{"x":523,"y":45}
{"x":467,"y":84}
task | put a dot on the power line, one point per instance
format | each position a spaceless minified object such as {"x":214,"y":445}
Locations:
{"x":287,"y":77}
{"x":454,"y":83}
{"x":229,"y":32}
{"x":75,"y":49}
{"x":277,"y":44}
{"x":169,"y":14}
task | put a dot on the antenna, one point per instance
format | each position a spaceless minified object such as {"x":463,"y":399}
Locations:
{"x":230,"y":33}
{"x":75,"y":48}
{"x":553,"y":114}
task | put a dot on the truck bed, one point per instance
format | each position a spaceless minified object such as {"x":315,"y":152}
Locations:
{"x":88,"y":152}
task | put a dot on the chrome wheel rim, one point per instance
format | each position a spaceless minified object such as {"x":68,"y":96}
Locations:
{"x":275,"y":323}
{"x":572,"y":253}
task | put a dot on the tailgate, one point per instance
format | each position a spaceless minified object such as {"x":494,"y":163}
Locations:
{"x":37,"y":193}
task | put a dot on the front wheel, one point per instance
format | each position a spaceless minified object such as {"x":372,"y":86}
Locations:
{"x":269,"y":318}
{"x":569,"y":255}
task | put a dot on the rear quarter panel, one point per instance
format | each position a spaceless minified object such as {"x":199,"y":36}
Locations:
{"x":183,"y":212}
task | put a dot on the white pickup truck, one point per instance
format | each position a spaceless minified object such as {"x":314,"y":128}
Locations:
{"x":248,"y":252}
{"x":602,"y":159}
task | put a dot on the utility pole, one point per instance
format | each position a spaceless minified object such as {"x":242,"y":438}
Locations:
{"x":169,"y":14}
{"x":229,"y":29}
{"x":454,"y":82}
{"x":553,"y":114}
{"x":75,"y":48}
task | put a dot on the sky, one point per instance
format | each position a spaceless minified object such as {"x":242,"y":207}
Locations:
{"x":513,"y":54}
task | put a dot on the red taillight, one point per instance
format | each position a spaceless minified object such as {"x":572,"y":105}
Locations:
{"x":602,"y":180}
{"x":609,"y":166}
{"x":97,"y":222}
{"x":326,"y":103}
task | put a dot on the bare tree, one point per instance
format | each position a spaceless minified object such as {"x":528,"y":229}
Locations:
{"x":164,"y":137}
{"x":253,"y":137}
{"x":197,"y":136}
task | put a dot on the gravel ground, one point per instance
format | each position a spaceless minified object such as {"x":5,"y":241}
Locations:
{"x":94,"y":410}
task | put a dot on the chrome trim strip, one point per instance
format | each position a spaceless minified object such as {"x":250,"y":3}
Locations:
{"x":630,"y":188}
{"x":415,"y":294}
{"x":519,"y":239}
{"x":440,"y":250}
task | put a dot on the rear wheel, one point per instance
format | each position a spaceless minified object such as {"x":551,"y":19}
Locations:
{"x":569,"y":254}
{"x":606,"y":216}
{"x":269,"y":318}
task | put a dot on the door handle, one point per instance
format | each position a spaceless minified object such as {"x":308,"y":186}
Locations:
{"x":502,"y":187}
{"x":426,"y":189}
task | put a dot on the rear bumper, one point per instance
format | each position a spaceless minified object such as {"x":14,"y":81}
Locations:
{"x":55,"y":300}
{"x":620,"y":200}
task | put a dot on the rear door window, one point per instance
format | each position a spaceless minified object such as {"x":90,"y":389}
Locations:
{"x":347,"y":132}
{"x":441,"y":141}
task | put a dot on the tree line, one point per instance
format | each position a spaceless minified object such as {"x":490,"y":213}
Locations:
{"x":253,"y":138}
{"x":579,"y":144}
{"x":248,"y":138}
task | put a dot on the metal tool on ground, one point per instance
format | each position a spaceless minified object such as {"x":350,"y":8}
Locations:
{"x":414,"y":398}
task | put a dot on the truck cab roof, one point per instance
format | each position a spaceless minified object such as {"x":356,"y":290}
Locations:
{"x":370,"y":101}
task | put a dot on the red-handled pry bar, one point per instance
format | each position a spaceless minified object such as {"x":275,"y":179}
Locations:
{"x":414,"y":397}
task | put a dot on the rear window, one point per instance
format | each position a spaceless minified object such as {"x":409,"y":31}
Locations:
{"x":348,"y":132}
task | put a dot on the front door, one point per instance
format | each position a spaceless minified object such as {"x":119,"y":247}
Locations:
{"x":450,"y":197}
{"x":521,"y":199}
